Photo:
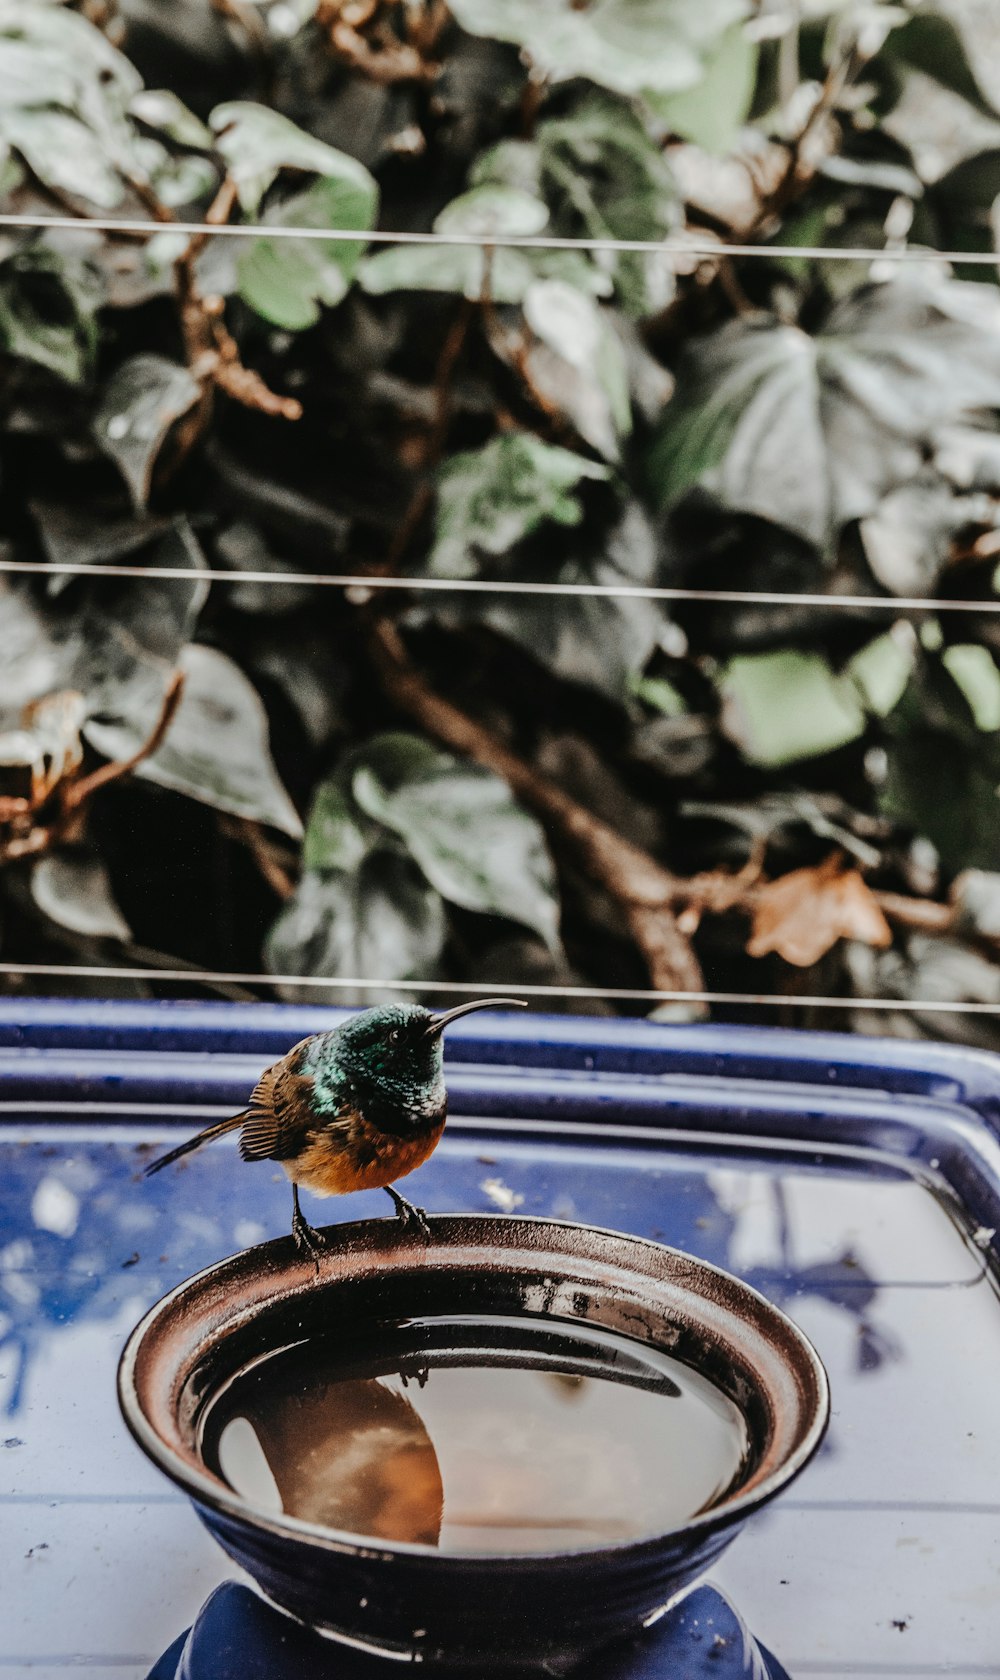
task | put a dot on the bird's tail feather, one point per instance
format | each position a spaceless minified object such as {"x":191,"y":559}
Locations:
{"x":196,"y":1142}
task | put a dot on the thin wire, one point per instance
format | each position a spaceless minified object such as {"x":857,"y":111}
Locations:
{"x":62,"y":971}
{"x":679,"y":248}
{"x":479,"y":586}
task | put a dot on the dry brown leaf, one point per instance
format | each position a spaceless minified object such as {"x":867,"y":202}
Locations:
{"x":804,"y":913}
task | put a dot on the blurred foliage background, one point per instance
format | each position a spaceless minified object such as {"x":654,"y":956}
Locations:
{"x":606,"y":791}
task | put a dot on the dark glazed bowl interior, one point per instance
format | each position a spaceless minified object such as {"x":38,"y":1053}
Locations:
{"x":467,"y":1610}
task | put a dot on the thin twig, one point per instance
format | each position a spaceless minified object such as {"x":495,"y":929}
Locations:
{"x":210,"y":350}
{"x":269,"y":860}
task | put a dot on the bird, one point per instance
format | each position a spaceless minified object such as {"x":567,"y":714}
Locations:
{"x":351,"y":1109}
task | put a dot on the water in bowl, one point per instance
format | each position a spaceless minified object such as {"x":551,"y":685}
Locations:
{"x":478,"y":1434}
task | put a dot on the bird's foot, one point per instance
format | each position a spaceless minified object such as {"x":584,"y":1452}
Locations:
{"x":306,"y":1239}
{"x":418,"y":1374}
{"x":411,"y":1218}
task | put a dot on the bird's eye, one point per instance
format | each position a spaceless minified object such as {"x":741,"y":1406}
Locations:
{"x":396,"y":1035}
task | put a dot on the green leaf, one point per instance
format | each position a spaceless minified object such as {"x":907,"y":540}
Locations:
{"x":160,"y":108}
{"x":600,"y":642}
{"x":64,"y":93}
{"x":578,"y":363}
{"x":36,"y":659}
{"x":467,"y":271}
{"x":962,"y":202}
{"x":780,"y":707}
{"x":65,"y":153}
{"x":603,"y":176}
{"x":131,"y":630}
{"x":141,"y":403}
{"x":972,"y":669}
{"x":216,"y":749}
{"x":69,"y":49}
{"x":492,"y":212}
{"x":73,"y":889}
{"x":48,"y":310}
{"x":908,"y":539}
{"x":881,"y":670}
{"x":490,"y":498}
{"x":931,"y":43}
{"x":336,"y":838}
{"x":257,"y":143}
{"x":627,"y":45}
{"x":943,"y":771}
{"x":463,"y":827}
{"x":661,"y":695}
{"x":712,"y":113}
{"x":811,"y":433}
{"x":177,"y":180}
{"x":382,"y":922}
{"x":286,"y":280}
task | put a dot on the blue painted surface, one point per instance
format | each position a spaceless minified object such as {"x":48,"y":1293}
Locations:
{"x":842,"y":1177}
{"x":238,"y":1637}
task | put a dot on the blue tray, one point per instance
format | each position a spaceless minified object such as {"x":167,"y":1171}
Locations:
{"x":856,"y":1183}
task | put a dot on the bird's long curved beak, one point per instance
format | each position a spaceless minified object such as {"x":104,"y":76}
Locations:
{"x":439,"y":1022}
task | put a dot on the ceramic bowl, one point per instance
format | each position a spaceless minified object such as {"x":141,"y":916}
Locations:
{"x":412,"y":1601}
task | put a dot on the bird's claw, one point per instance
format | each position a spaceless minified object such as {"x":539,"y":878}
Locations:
{"x":410,"y":1217}
{"x":307,"y":1240}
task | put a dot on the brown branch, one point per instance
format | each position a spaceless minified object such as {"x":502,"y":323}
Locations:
{"x":641,"y":886}
{"x":801,"y":169}
{"x":444,"y":374}
{"x":382,"y":56}
{"x":211,"y":351}
{"x":77,"y":793}
{"x":270,"y":860}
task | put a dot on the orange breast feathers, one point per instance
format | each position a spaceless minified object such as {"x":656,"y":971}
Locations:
{"x":353,"y":1155}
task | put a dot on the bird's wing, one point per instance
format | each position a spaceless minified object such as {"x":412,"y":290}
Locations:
{"x":279,"y":1115}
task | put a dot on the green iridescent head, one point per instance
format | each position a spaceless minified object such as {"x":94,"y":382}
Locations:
{"x":388,"y":1061}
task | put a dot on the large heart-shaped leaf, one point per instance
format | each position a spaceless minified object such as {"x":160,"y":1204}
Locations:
{"x":462,"y":826}
{"x":286,"y":280}
{"x":362,"y":908}
{"x":216,"y":749}
{"x":627,"y":45}
{"x":257,"y":143}
{"x":140,"y":405}
{"x":491,"y":498}
{"x":381,"y":921}
{"x":811,"y":432}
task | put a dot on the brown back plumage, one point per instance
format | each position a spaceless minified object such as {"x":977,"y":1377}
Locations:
{"x":275,"y":1123}
{"x":278,"y":1118}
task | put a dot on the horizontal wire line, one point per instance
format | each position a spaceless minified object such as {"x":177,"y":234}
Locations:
{"x":62,"y":971}
{"x":480,"y":586}
{"x":679,"y":248}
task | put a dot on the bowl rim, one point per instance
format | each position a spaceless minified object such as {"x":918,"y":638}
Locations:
{"x":206,"y":1489}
